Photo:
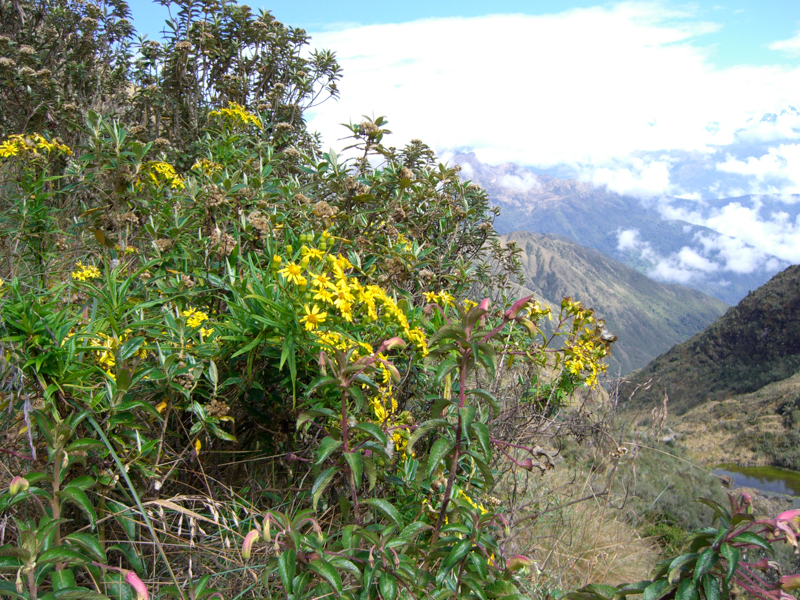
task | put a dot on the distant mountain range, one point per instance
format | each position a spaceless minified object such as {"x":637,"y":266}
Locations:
{"x":647,"y":316}
{"x":624,"y":228}
{"x":754,"y":344}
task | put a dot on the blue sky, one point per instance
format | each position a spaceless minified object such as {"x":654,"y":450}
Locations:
{"x":748,"y":26}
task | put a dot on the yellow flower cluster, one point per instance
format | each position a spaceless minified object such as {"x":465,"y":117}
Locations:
{"x":105,"y":356}
{"x":17,"y":145}
{"x":208,"y":167}
{"x":405,"y":243}
{"x":236,"y":114}
{"x":444,"y":298}
{"x":162,"y":173}
{"x":195,"y":318}
{"x":332,"y":286}
{"x":85,"y":272}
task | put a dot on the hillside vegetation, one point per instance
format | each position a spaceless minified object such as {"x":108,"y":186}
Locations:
{"x":648,"y":317}
{"x":234,"y":365}
{"x":754,"y":343}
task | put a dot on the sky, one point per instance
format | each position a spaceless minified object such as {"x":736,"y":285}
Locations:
{"x":655,"y":99}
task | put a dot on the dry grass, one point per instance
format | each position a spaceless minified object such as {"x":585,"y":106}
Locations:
{"x":585,"y":542}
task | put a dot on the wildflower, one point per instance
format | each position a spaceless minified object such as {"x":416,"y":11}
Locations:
{"x":446,"y":298}
{"x":194,"y":317}
{"x":313,"y":317}
{"x":247,"y":546}
{"x":321,"y":281}
{"x":236,"y":115}
{"x":293,"y":273}
{"x":343,"y":263}
{"x":324,"y":296}
{"x":85,"y":272}
{"x":163,"y":173}
{"x":313,"y":253}
{"x":431,"y":297}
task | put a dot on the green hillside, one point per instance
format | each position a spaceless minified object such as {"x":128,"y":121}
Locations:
{"x":755,"y":343}
{"x":647,"y":316}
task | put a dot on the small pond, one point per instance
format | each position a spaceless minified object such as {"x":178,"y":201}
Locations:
{"x":770,"y":480}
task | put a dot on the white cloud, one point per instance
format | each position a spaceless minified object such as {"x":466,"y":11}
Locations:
{"x":790,"y":46}
{"x":590,"y":86}
{"x":638,"y":178}
{"x":628,"y":239}
{"x":524,"y":182}
{"x":777,"y":172}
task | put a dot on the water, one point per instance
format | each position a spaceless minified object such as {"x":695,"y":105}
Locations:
{"x":770,"y":480}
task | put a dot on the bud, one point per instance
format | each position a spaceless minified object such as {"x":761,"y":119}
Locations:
{"x":517,"y":562}
{"x":395,"y":342}
{"x":790,"y":515}
{"x":393,"y":371}
{"x":267,"y":529}
{"x":289,"y":248}
{"x":141,"y":591}
{"x":18,"y":484}
{"x":790,"y":582}
{"x":517,"y":306}
{"x":528,"y":325}
{"x":247,"y":545}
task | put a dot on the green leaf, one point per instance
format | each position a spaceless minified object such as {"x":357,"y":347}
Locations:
{"x":83,"y":444}
{"x":748,"y":537}
{"x":8,"y":563}
{"x":481,"y":432}
{"x":89,"y":544}
{"x":486,"y":395}
{"x":61,"y":554}
{"x":708,"y":558}
{"x":328,"y":573}
{"x":286,"y":568}
{"x":79,"y":498}
{"x":387,"y":509}
{"x":467,"y":414}
{"x":356,"y":466}
{"x":374,"y":430}
{"x":719,"y":510}
{"x":327,"y":446}
{"x":686,"y":590}
{"x":370,"y":470}
{"x":121,"y":512}
{"x":78,"y":593}
{"x":130,"y":347}
{"x":457,"y":552}
{"x":656,"y":590}
{"x":424,"y":428}
{"x":388,"y":586}
{"x":710,"y":587}
{"x":731,"y":554}
{"x":441,"y":448}
{"x":443,"y":369}
{"x":321,"y":484}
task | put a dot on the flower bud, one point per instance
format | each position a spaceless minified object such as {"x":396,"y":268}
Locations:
{"x":517,"y":306}
{"x":141,"y":591}
{"x":395,"y":342}
{"x":517,"y":562}
{"x":790,"y":582}
{"x":18,"y":484}
{"x":247,"y":545}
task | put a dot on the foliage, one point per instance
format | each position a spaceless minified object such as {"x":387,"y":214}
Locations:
{"x":168,"y":306}
{"x":718,"y":559}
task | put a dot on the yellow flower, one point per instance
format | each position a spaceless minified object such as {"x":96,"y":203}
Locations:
{"x":313,"y":317}
{"x":321,"y":281}
{"x":85,"y":272}
{"x":430,"y":296}
{"x":324,"y":296}
{"x":236,"y":114}
{"x":163,"y":173}
{"x":313,"y":253}
{"x":293,"y":273}
{"x":194,"y":317}
{"x":446,"y":298}
{"x":469,"y":304}
{"x":343,"y":263}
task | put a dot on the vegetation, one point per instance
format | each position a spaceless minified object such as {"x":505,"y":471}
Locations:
{"x":233,"y":365}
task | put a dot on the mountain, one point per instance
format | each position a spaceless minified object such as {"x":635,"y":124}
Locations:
{"x":624,"y":228}
{"x":648,"y":317}
{"x":755,"y":343}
